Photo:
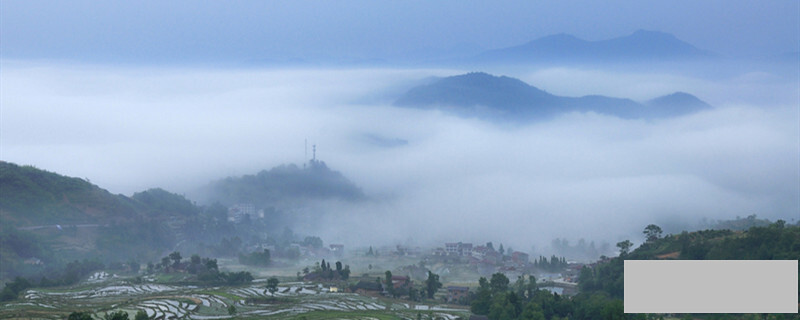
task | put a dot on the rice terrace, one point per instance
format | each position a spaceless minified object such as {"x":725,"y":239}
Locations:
{"x":291,"y":300}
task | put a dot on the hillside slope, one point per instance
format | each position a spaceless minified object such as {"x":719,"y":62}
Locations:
{"x":30,"y":196}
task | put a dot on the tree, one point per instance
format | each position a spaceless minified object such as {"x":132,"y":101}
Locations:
{"x":272,"y":285}
{"x":339,"y":267}
{"x":345,"y":272}
{"x":388,"y":282}
{"x":432,"y":284}
{"x":624,"y":247}
{"x":499,"y":283}
{"x":324,"y":267}
{"x":118,"y":315}
{"x":483,"y":298}
{"x":501,"y":250}
{"x":653,"y":232}
{"x":141,"y":315}
{"x":12,"y":289}
{"x":413,"y":294}
{"x":80,"y":316}
{"x":519,"y":286}
{"x":211,"y":264}
{"x":176,"y":257}
{"x":194,"y":264}
{"x":195,"y":259}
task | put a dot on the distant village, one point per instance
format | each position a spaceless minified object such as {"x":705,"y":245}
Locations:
{"x":554,"y":273}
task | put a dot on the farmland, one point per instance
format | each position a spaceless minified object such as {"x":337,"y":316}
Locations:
{"x":165,"y":301}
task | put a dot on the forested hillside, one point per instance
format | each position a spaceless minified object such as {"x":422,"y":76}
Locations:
{"x":776,"y":241}
{"x":31,"y":196}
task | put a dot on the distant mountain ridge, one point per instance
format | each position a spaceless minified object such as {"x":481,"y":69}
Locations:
{"x":503,"y":98}
{"x":638,"y":46}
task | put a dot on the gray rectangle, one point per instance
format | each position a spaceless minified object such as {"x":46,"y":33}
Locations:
{"x":711,"y":286}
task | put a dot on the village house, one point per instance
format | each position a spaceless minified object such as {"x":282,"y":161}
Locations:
{"x":456,"y":293}
{"x":237,"y":212}
{"x":337,"y":249}
{"x":520,"y":258}
{"x":365,"y":287}
{"x":399,"y":282}
{"x":458,"y":249}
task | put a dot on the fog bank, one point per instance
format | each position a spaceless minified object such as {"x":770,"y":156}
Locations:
{"x":432,"y":176}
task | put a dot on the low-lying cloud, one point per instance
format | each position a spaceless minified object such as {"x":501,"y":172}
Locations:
{"x":434,"y":176}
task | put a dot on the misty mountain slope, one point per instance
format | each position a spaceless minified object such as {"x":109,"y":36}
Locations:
{"x":478,"y":92}
{"x":31,"y":196}
{"x":675,"y":104}
{"x":159,"y":202}
{"x":503,"y":98}
{"x":641,"y":45}
{"x":284,"y":185}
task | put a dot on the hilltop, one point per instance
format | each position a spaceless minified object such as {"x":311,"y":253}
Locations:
{"x":31,"y":196}
{"x":283,"y":186}
{"x":486,"y":96}
{"x":641,"y":45}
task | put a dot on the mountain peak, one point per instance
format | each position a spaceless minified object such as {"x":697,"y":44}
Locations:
{"x":483,"y":95}
{"x":651,"y":33}
{"x":641,"y":45}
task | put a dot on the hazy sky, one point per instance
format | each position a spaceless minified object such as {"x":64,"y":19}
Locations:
{"x":245,"y":31}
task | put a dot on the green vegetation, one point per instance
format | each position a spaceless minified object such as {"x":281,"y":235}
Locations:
{"x":79,"y":316}
{"x":261,"y":259}
{"x":432,"y":284}
{"x":324,"y":272}
{"x":71,"y":274}
{"x":555,"y":263}
{"x":497,"y":300}
{"x":36,"y":197}
{"x":776,"y":241}
{"x":269,"y":188}
{"x":602,"y":286}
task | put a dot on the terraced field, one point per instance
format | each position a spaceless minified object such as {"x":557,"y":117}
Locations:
{"x":292,"y":301}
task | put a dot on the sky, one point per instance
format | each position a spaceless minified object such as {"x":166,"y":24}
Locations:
{"x":396,"y":31}
{"x":135,"y":95}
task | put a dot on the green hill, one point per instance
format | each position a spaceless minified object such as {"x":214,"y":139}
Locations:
{"x":30,"y":196}
{"x":284,"y":186}
{"x":49,"y":219}
{"x":776,"y":241}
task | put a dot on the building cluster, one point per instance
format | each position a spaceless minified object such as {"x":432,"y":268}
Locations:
{"x":484,"y":258}
{"x":241,"y":211}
